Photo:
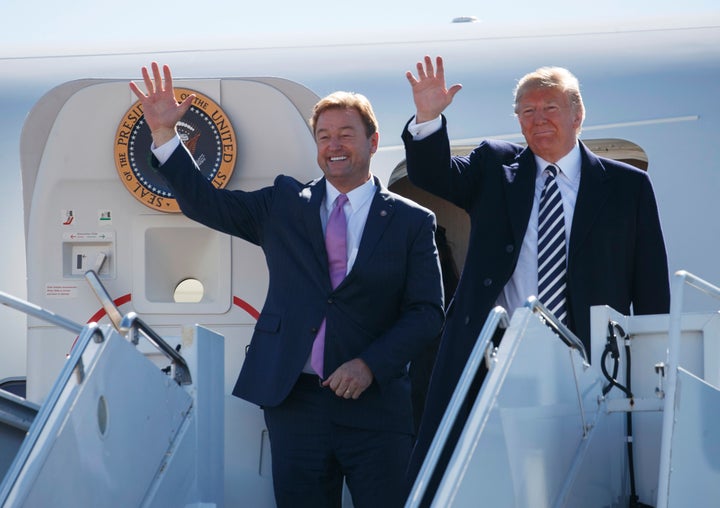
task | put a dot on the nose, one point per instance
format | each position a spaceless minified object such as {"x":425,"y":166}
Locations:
{"x":334,"y":142}
{"x":539,"y":116}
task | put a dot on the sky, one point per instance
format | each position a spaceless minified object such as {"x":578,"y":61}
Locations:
{"x":52,"y":24}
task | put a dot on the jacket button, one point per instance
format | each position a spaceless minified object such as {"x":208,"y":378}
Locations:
{"x":467,"y":320}
{"x":487,"y":282}
{"x":509,"y":248}
{"x":314,"y":330}
{"x":330,"y":300}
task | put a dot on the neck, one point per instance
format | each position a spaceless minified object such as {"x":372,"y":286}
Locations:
{"x":344,"y":186}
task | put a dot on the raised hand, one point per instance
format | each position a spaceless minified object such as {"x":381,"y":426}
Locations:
{"x":161,"y":110}
{"x":429,"y":92}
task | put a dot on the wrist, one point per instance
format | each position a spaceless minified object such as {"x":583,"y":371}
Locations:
{"x":163,"y":135}
{"x":426,"y":116}
{"x":421,"y":118}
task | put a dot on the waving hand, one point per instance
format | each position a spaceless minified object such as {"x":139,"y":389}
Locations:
{"x":160,"y":108}
{"x":429,"y":92}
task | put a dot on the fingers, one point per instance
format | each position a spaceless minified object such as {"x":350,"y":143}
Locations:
{"x":344,"y":388}
{"x":440,"y":67}
{"x":186,"y":103}
{"x":351,"y":393}
{"x":422,"y":72}
{"x":151,"y":86}
{"x":348,"y":394}
{"x":148,"y":83}
{"x":426,"y":69}
{"x":453,"y":90}
{"x":136,"y":90}
{"x":158,"y":80}
{"x":411,"y":78}
{"x":350,"y":380}
{"x":154,"y":83}
{"x":157,"y":84}
{"x":168,"y":77}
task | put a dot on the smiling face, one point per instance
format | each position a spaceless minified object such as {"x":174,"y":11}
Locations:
{"x":549,"y":122}
{"x":550,"y":109}
{"x":343,"y":147}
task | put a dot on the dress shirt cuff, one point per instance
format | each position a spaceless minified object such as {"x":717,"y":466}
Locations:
{"x":163,"y":152}
{"x":422,"y":130}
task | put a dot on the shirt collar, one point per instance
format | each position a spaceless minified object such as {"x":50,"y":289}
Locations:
{"x":357,"y":197}
{"x":569,"y":164}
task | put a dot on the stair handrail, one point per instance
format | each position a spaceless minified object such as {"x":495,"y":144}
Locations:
{"x":131,"y":324}
{"x":36,"y":311}
{"x":563,"y":332}
{"x":497,"y":318}
{"x":681,"y":278}
{"x":73,"y":366}
{"x":107,"y":303}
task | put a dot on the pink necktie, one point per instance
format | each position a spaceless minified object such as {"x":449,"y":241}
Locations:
{"x":336,"y":246}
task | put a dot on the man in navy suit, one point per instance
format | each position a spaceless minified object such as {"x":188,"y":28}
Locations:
{"x":350,"y":417}
{"x":614,"y":244}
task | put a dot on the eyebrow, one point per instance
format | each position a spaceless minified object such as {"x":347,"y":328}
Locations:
{"x":344,"y":128}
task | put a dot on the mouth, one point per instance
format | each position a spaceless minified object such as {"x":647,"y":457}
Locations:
{"x":544,"y":132}
{"x":338,"y":158}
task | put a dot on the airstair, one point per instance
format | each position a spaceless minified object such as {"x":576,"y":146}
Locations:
{"x":636,"y":427}
{"x":117,"y":428}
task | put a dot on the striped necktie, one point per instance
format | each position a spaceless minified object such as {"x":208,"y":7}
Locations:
{"x":336,"y":246}
{"x":551,"y":248}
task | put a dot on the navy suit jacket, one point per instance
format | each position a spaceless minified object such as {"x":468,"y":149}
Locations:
{"x":616,"y":255}
{"x":388,"y":308}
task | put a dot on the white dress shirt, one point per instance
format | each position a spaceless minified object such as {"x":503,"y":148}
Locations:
{"x":524,"y":280}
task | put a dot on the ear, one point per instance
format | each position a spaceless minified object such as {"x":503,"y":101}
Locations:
{"x":374,"y":139}
{"x":577,"y":121}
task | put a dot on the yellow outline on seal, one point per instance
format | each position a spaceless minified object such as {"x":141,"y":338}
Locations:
{"x":205,"y":130}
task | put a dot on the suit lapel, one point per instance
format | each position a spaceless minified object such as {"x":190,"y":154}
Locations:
{"x":519,"y":179}
{"x":592,"y":195}
{"x":382,"y":208}
{"x":312,"y":197}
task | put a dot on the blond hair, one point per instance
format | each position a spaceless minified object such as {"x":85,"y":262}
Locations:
{"x":347,"y":100}
{"x":552,"y":77}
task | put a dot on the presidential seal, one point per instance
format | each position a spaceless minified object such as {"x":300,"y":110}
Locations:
{"x":205,"y":130}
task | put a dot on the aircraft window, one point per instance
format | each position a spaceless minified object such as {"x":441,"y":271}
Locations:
{"x":189,"y":291}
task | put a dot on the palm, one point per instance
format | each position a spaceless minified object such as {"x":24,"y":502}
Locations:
{"x":160,"y":107}
{"x":430,"y":93}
